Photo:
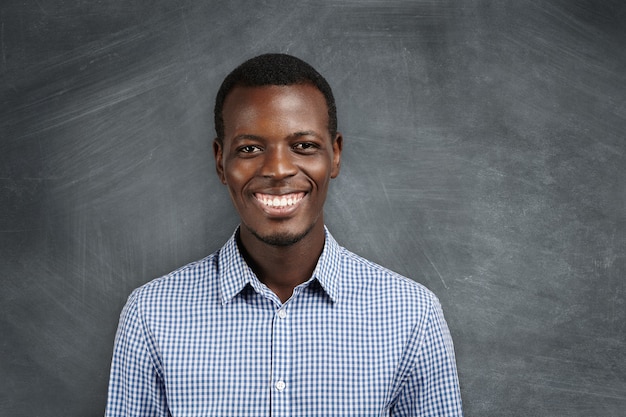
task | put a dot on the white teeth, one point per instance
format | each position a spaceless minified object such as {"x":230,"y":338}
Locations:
{"x":279,"y":201}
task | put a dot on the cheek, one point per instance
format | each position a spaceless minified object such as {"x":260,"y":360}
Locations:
{"x":320,"y":173}
{"x":236,"y":174}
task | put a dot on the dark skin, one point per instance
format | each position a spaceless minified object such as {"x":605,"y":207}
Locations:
{"x":283,"y":269}
{"x":277,"y":159}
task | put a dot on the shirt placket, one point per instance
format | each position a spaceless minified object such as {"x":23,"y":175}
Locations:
{"x":281,"y":363}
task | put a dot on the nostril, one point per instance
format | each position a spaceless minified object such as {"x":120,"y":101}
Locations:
{"x":278,"y":164}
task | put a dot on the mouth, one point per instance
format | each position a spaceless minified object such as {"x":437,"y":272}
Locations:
{"x":279,"y":204}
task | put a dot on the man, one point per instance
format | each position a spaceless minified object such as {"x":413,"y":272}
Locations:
{"x":281,"y":321}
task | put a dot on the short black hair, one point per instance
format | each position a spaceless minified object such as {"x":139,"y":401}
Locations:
{"x":273,"y":69}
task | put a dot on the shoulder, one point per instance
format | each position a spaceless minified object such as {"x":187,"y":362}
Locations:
{"x":190,"y":280}
{"x":377,"y":285}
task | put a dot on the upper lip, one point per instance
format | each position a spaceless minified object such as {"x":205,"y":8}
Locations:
{"x":278,"y":191}
{"x":279,"y":194}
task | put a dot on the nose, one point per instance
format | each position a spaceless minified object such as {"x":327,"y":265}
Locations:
{"x":278,"y":163}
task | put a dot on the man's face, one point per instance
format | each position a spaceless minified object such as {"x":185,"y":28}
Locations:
{"x":277,"y":159}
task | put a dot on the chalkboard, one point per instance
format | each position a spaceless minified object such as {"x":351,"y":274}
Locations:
{"x":485,"y":157}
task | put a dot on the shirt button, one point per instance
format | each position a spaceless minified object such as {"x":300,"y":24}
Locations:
{"x":282,"y":314}
{"x":280,"y":385}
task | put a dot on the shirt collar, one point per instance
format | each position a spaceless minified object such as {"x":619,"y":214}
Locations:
{"x":234,"y":273}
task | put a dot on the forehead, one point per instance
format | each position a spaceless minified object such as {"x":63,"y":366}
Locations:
{"x":297,"y":104}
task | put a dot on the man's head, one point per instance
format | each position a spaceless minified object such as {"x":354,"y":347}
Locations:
{"x":278,"y":148}
{"x":273,"y":69}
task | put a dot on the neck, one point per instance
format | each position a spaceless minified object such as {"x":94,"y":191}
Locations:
{"x":282,"y":268}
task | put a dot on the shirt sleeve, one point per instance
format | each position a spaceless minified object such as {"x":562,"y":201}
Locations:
{"x":432,"y":387}
{"x":135,"y":386}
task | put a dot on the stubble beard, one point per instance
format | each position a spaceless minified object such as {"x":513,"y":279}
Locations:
{"x":281,"y":239}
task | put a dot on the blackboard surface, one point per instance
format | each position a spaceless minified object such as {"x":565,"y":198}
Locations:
{"x":485,"y":157}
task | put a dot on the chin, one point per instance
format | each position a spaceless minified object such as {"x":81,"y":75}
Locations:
{"x":278,"y":238}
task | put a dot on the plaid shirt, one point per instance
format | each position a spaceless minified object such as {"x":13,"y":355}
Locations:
{"x":211,"y":340}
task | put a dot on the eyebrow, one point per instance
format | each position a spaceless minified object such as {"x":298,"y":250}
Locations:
{"x":305,"y":133}
{"x":247,"y":136}
{"x":298,"y":134}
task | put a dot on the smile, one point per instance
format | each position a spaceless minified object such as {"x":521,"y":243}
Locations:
{"x":279,"y":201}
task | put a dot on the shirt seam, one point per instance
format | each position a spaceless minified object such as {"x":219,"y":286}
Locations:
{"x":147,"y":335}
{"x":412,"y":366}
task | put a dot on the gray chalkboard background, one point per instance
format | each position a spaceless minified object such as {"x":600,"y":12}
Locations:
{"x":485,"y":156}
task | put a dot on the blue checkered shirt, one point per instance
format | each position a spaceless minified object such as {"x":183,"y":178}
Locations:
{"x":211,"y":340}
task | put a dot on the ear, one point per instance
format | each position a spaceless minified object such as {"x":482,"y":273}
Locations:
{"x":337,"y":148}
{"x":218,"y":153}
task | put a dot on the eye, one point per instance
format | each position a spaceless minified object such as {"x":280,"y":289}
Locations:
{"x":248,"y":149}
{"x":305,"y":147}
